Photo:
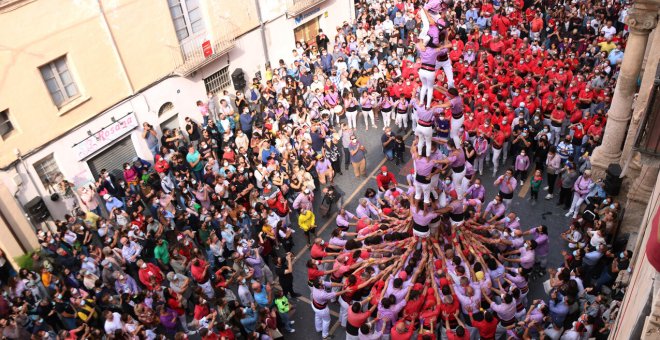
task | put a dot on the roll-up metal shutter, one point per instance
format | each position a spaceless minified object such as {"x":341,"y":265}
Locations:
{"x":113,"y":158}
{"x":171,"y":123}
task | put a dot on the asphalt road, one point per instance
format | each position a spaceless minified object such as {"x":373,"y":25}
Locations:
{"x":543,"y":212}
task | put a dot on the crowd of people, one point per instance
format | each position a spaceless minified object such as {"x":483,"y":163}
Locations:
{"x":199,"y":240}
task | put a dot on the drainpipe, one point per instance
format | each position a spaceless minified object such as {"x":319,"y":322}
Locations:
{"x":114,"y":47}
{"x":264,"y":46}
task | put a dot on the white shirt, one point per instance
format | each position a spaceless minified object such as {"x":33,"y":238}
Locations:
{"x":609,"y":31}
{"x":114,"y":324}
{"x":596,"y":239}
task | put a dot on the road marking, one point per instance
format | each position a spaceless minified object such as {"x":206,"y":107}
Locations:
{"x":306,"y":300}
{"x":525,"y":187}
{"x":335,"y":326}
{"x":346,"y":202}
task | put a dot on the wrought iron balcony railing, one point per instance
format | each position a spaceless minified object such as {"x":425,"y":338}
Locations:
{"x":296,"y":7}
{"x":198,"y":51}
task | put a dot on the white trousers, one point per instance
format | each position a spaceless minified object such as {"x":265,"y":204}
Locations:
{"x":496,"y":159}
{"x":423,"y":189}
{"x":368,"y":114}
{"x":448,"y":69}
{"x":343,"y":311}
{"x":575,"y":205}
{"x":402,"y":120}
{"x":322,"y":320}
{"x":424,"y":133}
{"x":457,"y":178}
{"x":413,"y":118}
{"x":455,"y":128}
{"x":428,"y":80}
{"x":351,"y":117}
{"x":387,"y":117}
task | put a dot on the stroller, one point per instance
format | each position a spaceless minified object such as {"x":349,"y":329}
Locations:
{"x":330,"y":196}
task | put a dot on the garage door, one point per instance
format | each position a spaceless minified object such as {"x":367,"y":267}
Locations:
{"x":113,"y":158}
{"x":171,"y":123}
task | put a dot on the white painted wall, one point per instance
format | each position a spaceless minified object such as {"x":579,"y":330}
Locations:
{"x":182,"y":92}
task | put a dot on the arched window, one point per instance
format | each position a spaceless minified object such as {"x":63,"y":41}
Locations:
{"x":165,"y":108}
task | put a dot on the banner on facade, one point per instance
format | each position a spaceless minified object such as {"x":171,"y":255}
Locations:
{"x":208,"y":50}
{"x":105,"y":136}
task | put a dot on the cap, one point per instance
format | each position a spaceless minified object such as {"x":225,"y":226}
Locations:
{"x":383,"y":168}
{"x":522,"y":104}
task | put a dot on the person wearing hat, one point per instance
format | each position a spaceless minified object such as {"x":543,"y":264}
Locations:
{"x":324,"y":169}
{"x":384,"y":179}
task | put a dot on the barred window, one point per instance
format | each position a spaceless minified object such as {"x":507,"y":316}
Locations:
{"x":218,"y":81}
{"x":48,"y":171}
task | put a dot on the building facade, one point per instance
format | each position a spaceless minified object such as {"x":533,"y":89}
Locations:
{"x":75,"y":89}
{"x":632,"y":141}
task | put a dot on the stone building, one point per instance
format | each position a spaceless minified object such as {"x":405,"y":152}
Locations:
{"x":632,"y":141}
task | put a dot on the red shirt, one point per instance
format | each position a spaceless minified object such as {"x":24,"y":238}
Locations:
{"x":395,"y":335}
{"x":151,"y":277}
{"x":498,"y":138}
{"x":317,"y":252}
{"x":200,"y":312}
{"x":313,"y":274}
{"x":198,"y":272}
{"x":451,"y":335}
{"x":486,"y":329}
{"x":383,"y":181}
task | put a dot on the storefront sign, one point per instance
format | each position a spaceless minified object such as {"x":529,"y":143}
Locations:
{"x":105,"y":136}
{"x":299,"y":19}
{"x":208,"y":50}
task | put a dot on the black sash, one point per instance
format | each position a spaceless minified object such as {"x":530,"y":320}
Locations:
{"x":420,"y":228}
{"x":422,"y":179}
{"x":458,"y":169}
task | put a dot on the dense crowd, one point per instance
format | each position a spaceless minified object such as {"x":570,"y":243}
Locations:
{"x":198,"y":240}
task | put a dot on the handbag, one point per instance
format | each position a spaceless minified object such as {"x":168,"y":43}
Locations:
{"x":276,"y":334}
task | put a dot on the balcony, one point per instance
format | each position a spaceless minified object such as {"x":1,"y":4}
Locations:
{"x":198,"y":51}
{"x":297,"y":7}
{"x":648,"y":135}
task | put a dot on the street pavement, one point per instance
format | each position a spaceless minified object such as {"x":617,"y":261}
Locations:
{"x":543,"y":212}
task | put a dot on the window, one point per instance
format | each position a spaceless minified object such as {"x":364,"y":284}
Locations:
{"x":48,"y":171}
{"x":165,"y":108}
{"x":187,"y":17}
{"x":218,"y":81}
{"x":307,"y":32}
{"x":6,"y":127}
{"x":59,"y":81}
